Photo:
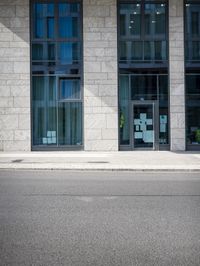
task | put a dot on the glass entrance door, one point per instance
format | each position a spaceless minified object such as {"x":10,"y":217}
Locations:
{"x":143,"y":126}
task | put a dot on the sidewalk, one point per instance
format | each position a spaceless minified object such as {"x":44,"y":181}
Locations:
{"x":103,"y":161}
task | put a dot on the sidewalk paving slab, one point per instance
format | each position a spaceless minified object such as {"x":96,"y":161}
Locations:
{"x":102,"y":161}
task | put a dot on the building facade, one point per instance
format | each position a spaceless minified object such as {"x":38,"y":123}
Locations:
{"x":99,"y":75}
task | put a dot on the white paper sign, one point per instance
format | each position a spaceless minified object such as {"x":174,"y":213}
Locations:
{"x":148,"y":136}
{"x":138,"y":135}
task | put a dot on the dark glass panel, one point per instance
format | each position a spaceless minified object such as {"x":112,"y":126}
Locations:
{"x":155,"y":51}
{"x":155,"y":24}
{"x":130,"y":15}
{"x":69,"y":89}
{"x":131,"y":51}
{"x":124,"y":110}
{"x":43,"y":51}
{"x":143,"y":87}
{"x":38,"y":84}
{"x":193,"y":20}
{"x":44,"y":111}
{"x":70,"y":123}
{"x":193,"y":108}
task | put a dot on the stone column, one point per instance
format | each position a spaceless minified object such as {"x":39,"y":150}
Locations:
{"x":176,"y":68}
{"x":14,"y":76}
{"x":100,"y":75}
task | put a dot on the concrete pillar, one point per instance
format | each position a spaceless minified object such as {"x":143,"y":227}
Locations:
{"x":176,"y":69}
{"x":14,"y":76}
{"x":100,"y":75}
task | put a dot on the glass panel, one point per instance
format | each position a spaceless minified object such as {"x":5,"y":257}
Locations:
{"x":155,"y":51}
{"x":143,"y":87}
{"x":68,"y":24}
{"x":44,"y":20}
{"x":69,"y":89}
{"x":69,"y":53}
{"x":130,"y":19}
{"x":44,"y":111}
{"x":70,"y":123}
{"x":124,"y":110}
{"x":155,"y":24}
{"x":192,"y":20}
{"x":193,"y":108}
{"x":43,"y":52}
{"x":143,"y":126}
{"x":130,"y":51}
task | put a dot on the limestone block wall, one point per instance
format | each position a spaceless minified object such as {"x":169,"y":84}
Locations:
{"x":14,"y":76}
{"x":100,"y":75}
{"x":177,"y":84}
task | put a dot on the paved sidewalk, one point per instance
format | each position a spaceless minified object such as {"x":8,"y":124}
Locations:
{"x":103,"y":161}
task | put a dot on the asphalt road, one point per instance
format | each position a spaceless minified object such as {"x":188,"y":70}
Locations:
{"x":53,"y":218}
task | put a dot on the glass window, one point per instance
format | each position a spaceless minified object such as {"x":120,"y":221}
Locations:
{"x":143,"y":37}
{"x":69,"y":89}
{"x":44,"y":20}
{"x":70,"y":124}
{"x":69,"y":53}
{"x":143,"y":87}
{"x":155,"y":20}
{"x":193,"y":108}
{"x":192,"y":33}
{"x":56,"y":74}
{"x":130,"y":16}
{"x":124,"y":109}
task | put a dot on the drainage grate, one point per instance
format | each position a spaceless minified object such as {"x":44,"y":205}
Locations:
{"x":17,"y":161}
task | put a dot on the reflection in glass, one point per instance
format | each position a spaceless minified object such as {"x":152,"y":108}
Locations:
{"x":69,"y":89}
{"x":70,"y":123}
{"x":69,"y":52}
{"x":130,"y":19}
{"x":155,"y":19}
{"x":44,"y":20}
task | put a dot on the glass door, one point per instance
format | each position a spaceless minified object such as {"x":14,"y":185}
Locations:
{"x":143,"y":126}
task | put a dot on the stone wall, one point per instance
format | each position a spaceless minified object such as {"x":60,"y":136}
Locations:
{"x":177,"y":86}
{"x":14,"y":76}
{"x":100,"y":75}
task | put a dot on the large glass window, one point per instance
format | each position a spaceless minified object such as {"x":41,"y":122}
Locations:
{"x":192,"y":32}
{"x":56,"y":73}
{"x":142,"y":28}
{"x":193,"y":108}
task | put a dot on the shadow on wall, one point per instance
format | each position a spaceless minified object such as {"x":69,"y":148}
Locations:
{"x":14,"y":22}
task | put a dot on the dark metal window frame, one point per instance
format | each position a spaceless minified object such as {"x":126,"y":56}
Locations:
{"x":58,"y":76}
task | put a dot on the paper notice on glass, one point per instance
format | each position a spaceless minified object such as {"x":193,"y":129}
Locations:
{"x":137,"y":128}
{"x":143,"y":116}
{"x":149,"y":122}
{"x":162,"y":128}
{"x":136,"y":121}
{"x":138,"y":135}
{"x":148,"y":136}
{"x":49,"y":134}
{"x":44,"y":140}
{"x":53,"y":140}
{"x":143,"y":127}
{"x":53,"y":133}
{"x":49,"y":141}
{"x":163,"y":119}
